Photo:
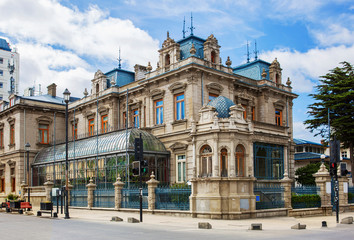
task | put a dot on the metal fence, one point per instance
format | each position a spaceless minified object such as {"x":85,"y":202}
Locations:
{"x":172,"y":198}
{"x":269,"y":196}
{"x":103,"y":198}
{"x":350,"y":194}
{"x":310,"y":189}
{"x":130,"y":197}
{"x":305,"y":197}
{"x":78,"y":197}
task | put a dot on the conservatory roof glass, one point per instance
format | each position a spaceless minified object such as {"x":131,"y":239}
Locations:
{"x":114,"y":142}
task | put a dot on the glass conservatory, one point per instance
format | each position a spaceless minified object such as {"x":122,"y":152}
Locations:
{"x":101,"y":157}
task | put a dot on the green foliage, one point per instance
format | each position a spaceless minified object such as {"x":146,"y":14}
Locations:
{"x":178,"y":195}
{"x":305,"y":174}
{"x":350,"y":197}
{"x":11,"y":196}
{"x":336,"y":93}
{"x":307,"y":200}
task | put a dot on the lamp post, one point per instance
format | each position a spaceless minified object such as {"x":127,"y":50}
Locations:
{"x":323,"y":158}
{"x":66,"y":99}
{"x":27,"y":148}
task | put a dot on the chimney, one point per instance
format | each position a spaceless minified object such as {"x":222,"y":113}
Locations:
{"x":52,"y":90}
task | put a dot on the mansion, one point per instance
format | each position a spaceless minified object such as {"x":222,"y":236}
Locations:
{"x":201,"y":120}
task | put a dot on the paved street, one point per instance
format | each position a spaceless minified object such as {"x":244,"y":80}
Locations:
{"x":86,"y":225}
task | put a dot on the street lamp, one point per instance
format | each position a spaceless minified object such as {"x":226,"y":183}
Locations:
{"x":66,"y":100}
{"x":323,"y":158}
{"x":27,"y":148}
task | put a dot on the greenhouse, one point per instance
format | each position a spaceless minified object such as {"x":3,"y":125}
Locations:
{"x":101,"y":157}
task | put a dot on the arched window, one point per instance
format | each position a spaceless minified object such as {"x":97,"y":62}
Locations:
{"x":223,"y":162}
{"x":206,"y":161}
{"x":240,"y":161}
{"x":213,"y":56}
{"x":167,"y":59}
{"x":277,"y":78}
{"x":97,"y":88}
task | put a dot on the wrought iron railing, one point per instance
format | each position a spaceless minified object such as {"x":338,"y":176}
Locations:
{"x":104,"y":198}
{"x":309,"y":189}
{"x":173,"y":198}
{"x":350,"y":194}
{"x":130,"y":197}
{"x":78,"y":197}
{"x":305,"y":197}
{"x":269,"y":195}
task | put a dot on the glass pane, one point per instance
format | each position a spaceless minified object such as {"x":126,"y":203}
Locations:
{"x":182,"y":110}
{"x":179,"y":172}
{"x":180,"y":97}
{"x":210,"y":167}
{"x":184,"y":171}
{"x":178,"y":109}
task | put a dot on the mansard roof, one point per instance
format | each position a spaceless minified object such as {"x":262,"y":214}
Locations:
{"x":186,"y":44}
{"x":113,"y":142}
{"x":4,"y":45}
{"x":298,"y":141}
{"x":121,"y":77}
{"x":253,"y":69}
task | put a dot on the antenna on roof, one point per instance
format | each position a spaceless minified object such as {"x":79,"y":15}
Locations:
{"x":184,"y":28}
{"x":255,"y":50}
{"x":191,"y":28}
{"x":248,"y":53}
{"x":119,"y":59}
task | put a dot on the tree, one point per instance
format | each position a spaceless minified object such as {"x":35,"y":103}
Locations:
{"x":335,"y":96}
{"x":304,"y":175}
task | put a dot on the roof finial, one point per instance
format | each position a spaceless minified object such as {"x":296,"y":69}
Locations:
{"x":168,"y":34}
{"x":248,"y":53}
{"x":191,"y":28}
{"x":184,"y":27}
{"x":119,"y":60}
{"x":255,"y":51}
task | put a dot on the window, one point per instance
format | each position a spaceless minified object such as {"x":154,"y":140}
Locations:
{"x":344,"y":154}
{"x":181,"y":168}
{"x":1,"y":72}
{"x":104,"y":121}
{"x":43,"y":133}
{"x":91,"y":127}
{"x":223,"y":162}
{"x":12,"y":134}
{"x":1,"y":84}
{"x":179,"y":106}
{"x":278,"y":117}
{"x":213,"y":57}
{"x":206,"y":161}
{"x":244,"y":112}
{"x":136,"y":118}
{"x":13,"y":184}
{"x":268,"y":161}
{"x":12,"y":102}
{"x":167,"y":60}
{"x":212,"y":96}
{"x":124,"y":119}
{"x":253,"y":114}
{"x":74,"y":126}
{"x":97,"y":88}
{"x":299,"y":149}
{"x":1,"y":138}
{"x":158,"y":110}
{"x":1,"y":60}
{"x":2,"y":182}
{"x":240,"y":161}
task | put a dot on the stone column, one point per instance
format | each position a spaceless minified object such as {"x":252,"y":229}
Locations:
{"x":90,"y":197}
{"x":323,"y":180}
{"x":286,"y":184}
{"x":118,"y":186}
{"x":23,"y":190}
{"x":69,"y":190}
{"x":152,"y":184}
{"x":48,"y":185}
{"x":343,"y":193}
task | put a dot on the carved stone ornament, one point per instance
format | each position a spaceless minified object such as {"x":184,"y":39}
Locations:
{"x":178,"y":146}
{"x":215,"y":88}
{"x":192,"y":50}
{"x":177,"y":87}
{"x":264,"y":74}
{"x":44,"y":120}
{"x":228,"y":61}
{"x":149,"y":67}
{"x":288,"y":82}
{"x":168,"y":42}
{"x":157,"y":93}
{"x":98,"y":74}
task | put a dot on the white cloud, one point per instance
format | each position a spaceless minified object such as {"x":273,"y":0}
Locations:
{"x":335,"y":34}
{"x":304,"y":69}
{"x":300,"y":131}
{"x":43,"y":26}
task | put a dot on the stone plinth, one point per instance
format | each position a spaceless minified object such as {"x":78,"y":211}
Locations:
{"x":323,"y":180}
{"x":152,"y":184}
{"x":90,"y":188}
{"x":223,"y":198}
{"x":286,"y":184}
{"x":48,"y":190}
{"x":118,"y":186}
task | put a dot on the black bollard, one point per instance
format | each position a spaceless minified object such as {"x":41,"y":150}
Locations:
{"x":324,"y":224}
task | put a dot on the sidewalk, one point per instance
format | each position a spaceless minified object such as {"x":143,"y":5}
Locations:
{"x":276,"y":223}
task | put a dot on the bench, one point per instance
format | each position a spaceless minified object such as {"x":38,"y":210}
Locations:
{"x":25,"y":205}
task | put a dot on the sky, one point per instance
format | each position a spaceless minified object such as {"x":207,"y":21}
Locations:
{"x":66,"y":42}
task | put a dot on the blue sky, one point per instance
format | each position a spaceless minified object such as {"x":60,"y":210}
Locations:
{"x":67,"y":41}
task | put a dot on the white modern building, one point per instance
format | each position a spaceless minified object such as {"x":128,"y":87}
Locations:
{"x":9,"y":70}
